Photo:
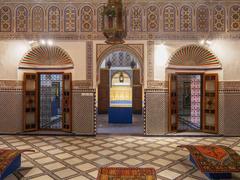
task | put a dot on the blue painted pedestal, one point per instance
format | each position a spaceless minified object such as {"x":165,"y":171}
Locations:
{"x":15,"y":164}
{"x":120,"y":115}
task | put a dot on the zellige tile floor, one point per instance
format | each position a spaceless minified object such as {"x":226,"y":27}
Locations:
{"x":78,"y":158}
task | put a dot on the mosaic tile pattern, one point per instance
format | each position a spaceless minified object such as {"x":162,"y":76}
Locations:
{"x":234,"y":18}
{"x":5,"y":19}
{"x":100,"y":19}
{"x":186,"y":19}
{"x":78,"y":16}
{"x":156,"y":112}
{"x":21,"y":19}
{"x":89,"y":53}
{"x":11,"y":111}
{"x":86,"y":19}
{"x":84,"y":115}
{"x":136,"y":19}
{"x":169,"y":16}
{"x":219,"y":16}
{"x":81,"y":157}
{"x":54,"y":19}
{"x":37,"y":19}
{"x":70,"y":19}
{"x":153,"y":19}
{"x":150,"y":57}
{"x":202,"y":19}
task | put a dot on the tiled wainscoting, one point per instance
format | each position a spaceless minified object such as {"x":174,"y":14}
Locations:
{"x":156,"y":111}
{"x":10,"y":106}
{"x":229,"y":112}
{"x":84,"y":112}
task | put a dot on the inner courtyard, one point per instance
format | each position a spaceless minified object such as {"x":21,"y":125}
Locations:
{"x":148,"y":88}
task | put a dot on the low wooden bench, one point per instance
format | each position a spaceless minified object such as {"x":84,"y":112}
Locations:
{"x":215,"y":161}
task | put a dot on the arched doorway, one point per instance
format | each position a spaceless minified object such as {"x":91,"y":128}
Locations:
{"x":47,"y":89}
{"x":193,"y":90}
{"x":120,"y":94}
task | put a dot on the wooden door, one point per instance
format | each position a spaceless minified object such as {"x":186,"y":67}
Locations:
{"x":137,"y":92}
{"x":172,"y":108}
{"x":30,"y":102}
{"x":103,"y":92}
{"x":67,"y":102}
{"x":210,"y":103}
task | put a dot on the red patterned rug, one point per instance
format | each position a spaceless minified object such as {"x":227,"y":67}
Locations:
{"x":214,"y":158}
{"x":127,"y":174}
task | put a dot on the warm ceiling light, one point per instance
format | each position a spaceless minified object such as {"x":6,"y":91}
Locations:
{"x":50,"y":42}
{"x":202,"y":42}
{"x":43,"y":42}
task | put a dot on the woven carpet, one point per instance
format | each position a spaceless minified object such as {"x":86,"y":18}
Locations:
{"x":214,"y":158}
{"x":127,"y":174}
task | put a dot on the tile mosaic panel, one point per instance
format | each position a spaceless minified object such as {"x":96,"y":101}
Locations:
{"x":142,"y":17}
{"x":5,"y":19}
{"x":156,"y":108}
{"x":37,"y":19}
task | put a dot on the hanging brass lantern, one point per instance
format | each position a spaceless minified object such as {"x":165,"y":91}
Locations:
{"x":121,"y":78}
{"x":113,"y":26}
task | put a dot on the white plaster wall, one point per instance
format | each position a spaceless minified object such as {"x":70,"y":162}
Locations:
{"x":11,"y":52}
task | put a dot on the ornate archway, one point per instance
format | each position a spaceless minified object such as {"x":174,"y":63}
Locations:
{"x":193,"y":57}
{"x":46,"y":57}
{"x":104,"y":50}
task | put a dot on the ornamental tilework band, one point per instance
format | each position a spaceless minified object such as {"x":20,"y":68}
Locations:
{"x":21,"y":19}
{"x":234,"y":18}
{"x":70,"y":19}
{"x":89,"y":58}
{"x":5,"y":19}
{"x":54,"y":19}
{"x":169,"y":16}
{"x":219,"y":16}
{"x":37,"y":19}
{"x":153,"y":19}
{"x":144,"y":19}
{"x":202,"y":19}
{"x":86,"y":19}
{"x":186,"y":19}
{"x":100,"y":19}
{"x":150,"y":56}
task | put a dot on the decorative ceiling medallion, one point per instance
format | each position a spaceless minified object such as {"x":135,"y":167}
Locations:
{"x":52,"y":57}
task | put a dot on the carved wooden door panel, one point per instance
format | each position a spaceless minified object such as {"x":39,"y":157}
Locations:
{"x":137,"y":92}
{"x":67,"y":102}
{"x":172,"y":108}
{"x":30,"y":102}
{"x":103,"y":92}
{"x":210,"y":103}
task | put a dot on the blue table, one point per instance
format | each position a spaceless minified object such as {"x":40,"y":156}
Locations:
{"x":120,"y":115}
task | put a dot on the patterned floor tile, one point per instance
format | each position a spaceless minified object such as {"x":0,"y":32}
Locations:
{"x":60,"y":157}
{"x":132,"y":162}
{"x":65,"y":173}
{"x":169,"y":174}
{"x":103,"y":161}
{"x":54,"y":166}
{"x":85,"y":167}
